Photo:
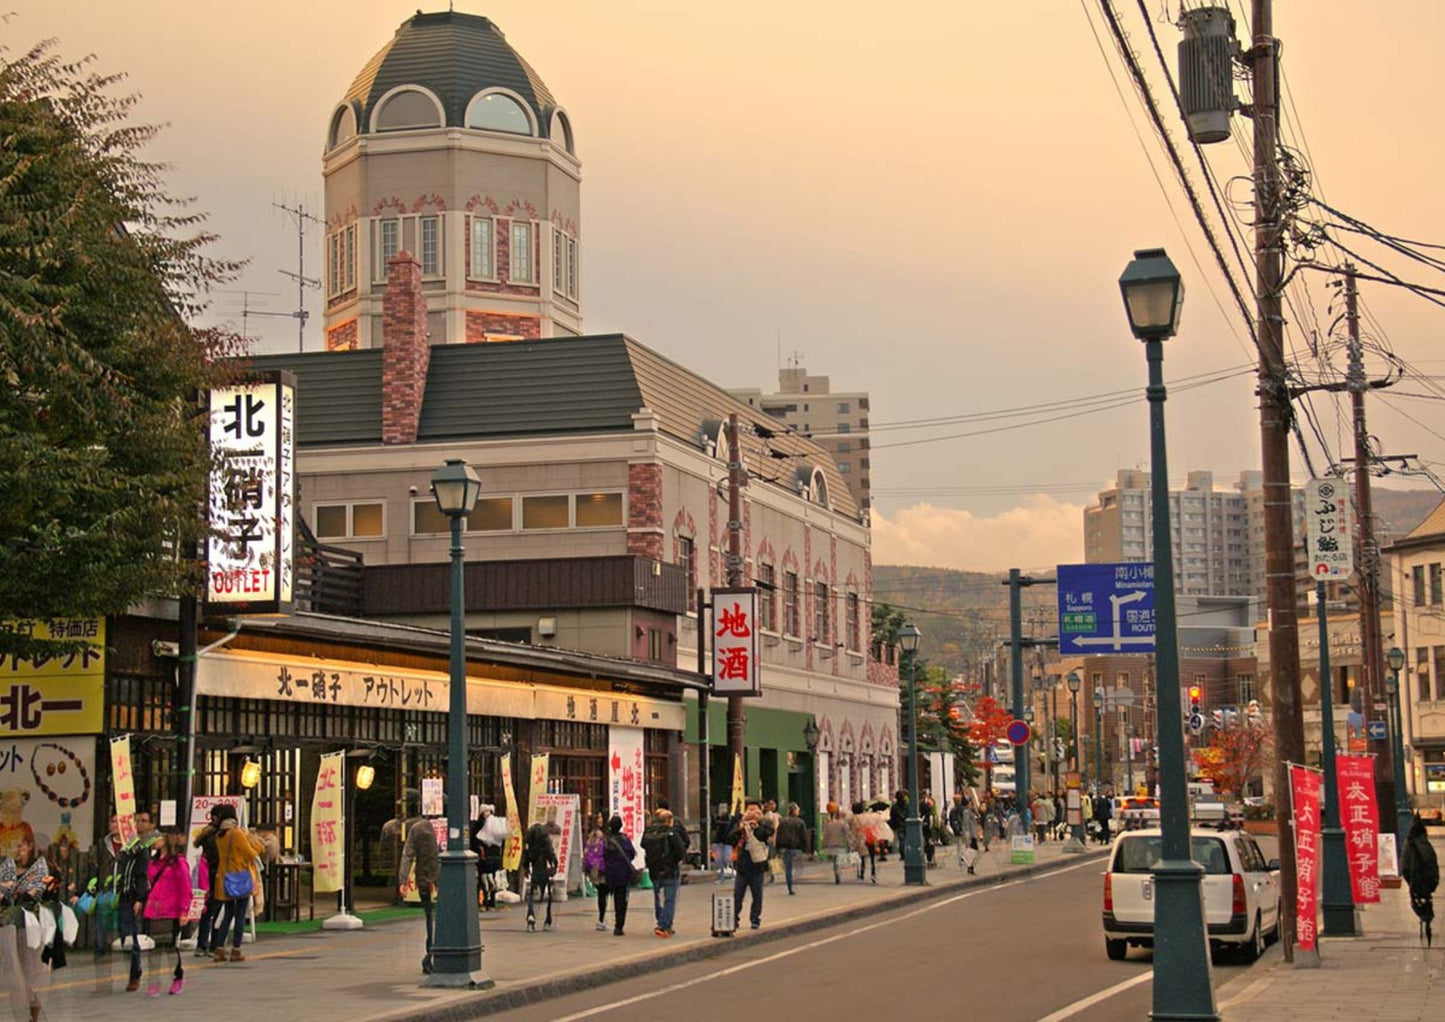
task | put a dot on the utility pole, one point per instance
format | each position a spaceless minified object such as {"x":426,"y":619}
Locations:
{"x":1372,"y":661}
{"x":737,"y":479}
{"x":1275,"y":411}
{"x":1017,"y":582}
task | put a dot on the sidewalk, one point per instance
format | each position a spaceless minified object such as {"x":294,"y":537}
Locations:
{"x":1386,"y":975}
{"x":375,"y":973}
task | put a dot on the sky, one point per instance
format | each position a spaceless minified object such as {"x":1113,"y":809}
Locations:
{"x":931,"y":202}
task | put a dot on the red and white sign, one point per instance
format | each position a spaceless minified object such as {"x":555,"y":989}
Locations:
{"x":735,"y":668}
{"x":1304,"y":792}
{"x":328,"y":825}
{"x":1360,"y":817}
{"x":626,"y":781}
{"x":1329,"y":528}
{"x":123,"y":782}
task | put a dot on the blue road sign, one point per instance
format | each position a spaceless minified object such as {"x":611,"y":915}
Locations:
{"x":1377,"y":730}
{"x":1196,"y":722}
{"x":1106,"y":608}
{"x":1019,"y":732}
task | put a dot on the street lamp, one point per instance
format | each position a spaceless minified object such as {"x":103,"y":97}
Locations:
{"x":913,"y":869}
{"x":1153,"y":296}
{"x":1099,"y":739}
{"x":1076,"y":834}
{"x":1396,"y":659}
{"x":457,"y":951}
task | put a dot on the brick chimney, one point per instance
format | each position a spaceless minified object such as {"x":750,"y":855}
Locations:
{"x":405,"y":351}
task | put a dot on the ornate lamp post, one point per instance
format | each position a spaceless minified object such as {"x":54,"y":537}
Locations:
{"x":1153,"y":295}
{"x":1099,"y":739}
{"x":1396,"y":659}
{"x":1076,"y":835}
{"x":914,"y":871}
{"x":457,"y":954}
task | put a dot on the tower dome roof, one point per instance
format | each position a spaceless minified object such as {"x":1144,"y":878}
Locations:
{"x":455,"y":57}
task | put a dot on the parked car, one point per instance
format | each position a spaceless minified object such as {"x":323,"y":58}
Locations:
{"x":1241,"y":891}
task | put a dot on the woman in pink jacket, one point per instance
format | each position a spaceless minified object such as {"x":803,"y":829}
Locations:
{"x":169,"y":901}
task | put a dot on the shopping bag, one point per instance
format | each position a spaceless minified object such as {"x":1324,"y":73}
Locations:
{"x":34,"y":935}
{"x":69,"y":925}
{"x":775,"y":867}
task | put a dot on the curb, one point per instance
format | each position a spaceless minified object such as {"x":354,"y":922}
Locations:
{"x":483,"y":1004}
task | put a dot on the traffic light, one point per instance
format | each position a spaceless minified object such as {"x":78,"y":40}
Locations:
{"x":1194,"y":693}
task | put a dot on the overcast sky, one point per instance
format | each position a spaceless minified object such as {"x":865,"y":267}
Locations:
{"x":932,"y":201}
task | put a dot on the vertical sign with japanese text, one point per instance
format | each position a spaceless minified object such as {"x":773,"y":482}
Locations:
{"x":123,"y":781}
{"x":1330,"y":528}
{"x":328,"y":825}
{"x":249,"y":557}
{"x":512,"y":850}
{"x":625,"y":781}
{"x":1304,"y":791}
{"x":735,"y":668}
{"x":538,"y":785}
{"x":1360,"y":816}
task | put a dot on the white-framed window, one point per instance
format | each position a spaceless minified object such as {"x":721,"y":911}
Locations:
{"x":559,"y":262}
{"x":855,"y":623}
{"x":792,"y":624}
{"x":822,"y":614}
{"x":341,"y":261}
{"x":349,"y":520}
{"x":687,"y":561}
{"x":491,"y":514}
{"x":572,"y":286}
{"x":767,"y":597}
{"x":484,"y":248}
{"x":430,"y":245}
{"x":388,"y":244}
{"x":599,"y":510}
{"x":522,"y":256}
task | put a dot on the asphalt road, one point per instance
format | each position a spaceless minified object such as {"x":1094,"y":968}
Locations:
{"x":1025,"y":950}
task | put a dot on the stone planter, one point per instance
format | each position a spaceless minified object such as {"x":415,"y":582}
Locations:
{"x":1261,"y":827}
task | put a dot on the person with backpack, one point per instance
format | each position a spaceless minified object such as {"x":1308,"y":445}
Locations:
{"x":205,"y":869}
{"x":618,"y":873}
{"x":750,"y":839}
{"x":539,"y":860}
{"x":422,"y":854}
{"x":1420,"y":868}
{"x":234,"y":881}
{"x":664,"y":846}
{"x":169,"y":901}
{"x":132,"y":887}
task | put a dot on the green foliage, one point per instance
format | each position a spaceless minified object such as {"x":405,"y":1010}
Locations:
{"x":101,"y":431}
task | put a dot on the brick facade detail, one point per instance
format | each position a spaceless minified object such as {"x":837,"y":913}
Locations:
{"x":406,"y":353}
{"x":480,"y":324}
{"x":342,"y":336}
{"x":644,"y":511}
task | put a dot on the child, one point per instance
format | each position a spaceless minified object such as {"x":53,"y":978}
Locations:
{"x":170,"y":900}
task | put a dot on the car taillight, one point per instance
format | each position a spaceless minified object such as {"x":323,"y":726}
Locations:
{"x":1239,"y":907}
{"x":1109,"y":892}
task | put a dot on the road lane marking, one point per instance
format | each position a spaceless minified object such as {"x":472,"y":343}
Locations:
{"x":811,"y":945}
{"x":1093,"y":999}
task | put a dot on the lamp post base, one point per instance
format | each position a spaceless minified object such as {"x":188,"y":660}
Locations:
{"x":457,"y":950}
{"x":1073,"y":846}
{"x":1337,"y":907}
{"x":342,"y":921}
{"x":1183,"y":987}
{"x":915,"y":873}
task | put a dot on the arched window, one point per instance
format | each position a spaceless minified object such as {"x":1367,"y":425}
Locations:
{"x":561,"y":132}
{"x":496,"y":111}
{"x":820,"y":488}
{"x":407,"y":108}
{"x":343,"y":126}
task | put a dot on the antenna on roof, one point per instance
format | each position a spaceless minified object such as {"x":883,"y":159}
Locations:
{"x":246,"y":311}
{"x":301,"y":217}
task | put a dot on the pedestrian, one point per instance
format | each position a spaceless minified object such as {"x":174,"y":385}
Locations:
{"x":1420,"y":869}
{"x":618,"y":872}
{"x":897,"y":823}
{"x":24,"y":880}
{"x":772,"y":819}
{"x":750,"y":839}
{"x":132,"y":887}
{"x":539,"y":861}
{"x":722,"y":852}
{"x":1103,"y":813}
{"x":792,"y":841}
{"x":1044,"y":817}
{"x":169,"y":900}
{"x":593,"y":863}
{"x":493,"y":839}
{"x":865,"y":828}
{"x":665,"y":847}
{"x":963,"y":821}
{"x":836,"y":843}
{"x":234,"y":881}
{"x":206,"y":867}
{"x":102,"y":884}
{"x":928,"y":823}
{"x":420,"y":853}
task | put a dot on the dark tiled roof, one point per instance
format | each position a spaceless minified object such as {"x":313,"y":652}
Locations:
{"x":455,"y":56}
{"x":556,"y":386}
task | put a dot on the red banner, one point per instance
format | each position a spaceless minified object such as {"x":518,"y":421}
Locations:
{"x":1304,"y":791}
{"x":1361,"y":819}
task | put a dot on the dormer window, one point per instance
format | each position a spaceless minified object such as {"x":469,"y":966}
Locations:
{"x":497,"y":111}
{"x":407,"y":108}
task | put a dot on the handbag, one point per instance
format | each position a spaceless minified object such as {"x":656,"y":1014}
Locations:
{"x":238,"y":884}
{"x":85,"y":904}
{"x":33,"y":933}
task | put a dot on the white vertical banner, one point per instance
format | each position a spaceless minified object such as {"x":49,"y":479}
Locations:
{"x":328,"y":825}
{"x":1330,"y":527}
{"x":626,"y":779}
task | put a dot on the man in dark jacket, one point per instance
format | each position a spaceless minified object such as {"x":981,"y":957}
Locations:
{"x":750,"y":841}
{"x":664,"y":846}
{"x":420,"y":851}
{"x":206,"y":842}
{"x":792,"y":841}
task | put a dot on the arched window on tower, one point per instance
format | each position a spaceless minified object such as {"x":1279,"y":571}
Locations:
{"x":496,"y":111}
{"x":407,"y":109}
{"x":343,"y":126}
{"x":561,"y":132}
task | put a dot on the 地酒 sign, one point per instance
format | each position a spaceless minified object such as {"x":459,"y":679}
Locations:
{"x":735,"y":667}
{"x":1106,"y":608}
{"x":249,"y":553}
{"x":1330,"y":528}
{"x":54,"y":694}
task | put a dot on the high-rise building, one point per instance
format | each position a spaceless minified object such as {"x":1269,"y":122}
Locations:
{"x":837,"y":420}
{"x":1217,"y":535}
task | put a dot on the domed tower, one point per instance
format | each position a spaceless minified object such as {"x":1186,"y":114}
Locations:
{"x":449,"y":146}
